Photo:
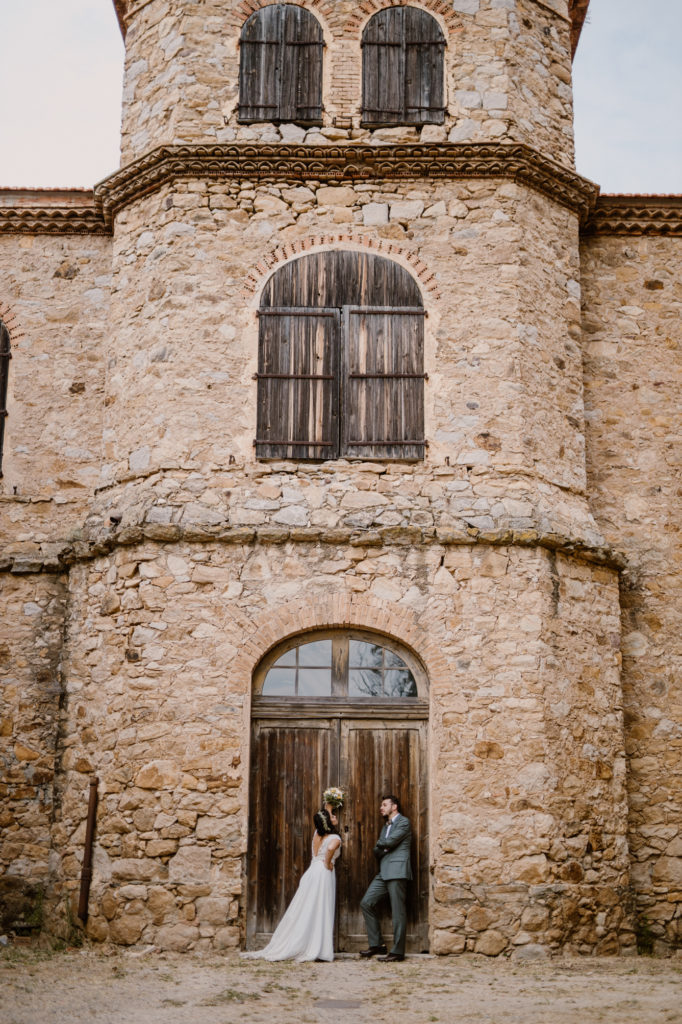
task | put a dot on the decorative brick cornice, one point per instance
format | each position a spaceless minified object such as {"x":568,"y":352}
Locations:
{"x":345,"y":163}
{"x":50,"y":212}
{"x":636,"y":215}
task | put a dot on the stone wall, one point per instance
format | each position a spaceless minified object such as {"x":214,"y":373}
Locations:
{"x":633,"y":393}
{"x":508,"y":76}
{"x":526,"y":760}
{"x":500,"y":364}
{"x":32,"y":609}
{"x":56,"y":290}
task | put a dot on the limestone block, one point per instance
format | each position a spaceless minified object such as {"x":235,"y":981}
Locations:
{"x":468,"y":98}
{"x":213,"y":910}
{"x":445,"y":942}
{"x":533,"y":869}
{"x":161,"y":904}
{"x":406,"y":210}
{"x":177,"y":937}
{"x":190,"y":864}
{"x":531,"y":951}
{"x":126,"y":929}
{"x":479,"y":918}
{"x":336,"y":196}
{"x":490,"y":943}
{"x":270,"y":205}
{"x":158,"y":775}
{"x":535,"y":918}
{"x":134,"y":869}
{"x":374,"y":214}
{"x":227,"y":938}
{"x":668,"y":871}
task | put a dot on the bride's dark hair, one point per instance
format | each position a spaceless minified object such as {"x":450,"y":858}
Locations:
{"x":323,"y":823}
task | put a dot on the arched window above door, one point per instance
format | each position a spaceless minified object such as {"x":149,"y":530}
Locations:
{"x":280,"y":66}
{"x":347,"y":664}
{"x":402,"y":68}
{"x":341,"y":360}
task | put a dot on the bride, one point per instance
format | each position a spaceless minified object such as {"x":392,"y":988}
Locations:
{"x":306,"y":932}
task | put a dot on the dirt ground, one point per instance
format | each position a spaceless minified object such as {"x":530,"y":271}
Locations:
{"x":168,"y":988}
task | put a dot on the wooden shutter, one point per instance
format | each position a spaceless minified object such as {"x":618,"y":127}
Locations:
{"x":383,"y":70}
{"x":298,"y":384}
{"x":402,"y":68}
{"x":424,"y":46}
{"x":5,"y":356}
{"x":280,"y":66}
{"x":260,"y":48}
{"x":383,"y":384}
{"x":301,"y":67}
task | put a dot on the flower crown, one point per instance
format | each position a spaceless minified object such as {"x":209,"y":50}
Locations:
{"x":334,"y":796}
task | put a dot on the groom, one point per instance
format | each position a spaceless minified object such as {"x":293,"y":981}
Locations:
{"x":393,"y":853}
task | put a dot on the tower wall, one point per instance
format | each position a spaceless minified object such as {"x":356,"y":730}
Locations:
{"x":633,"y":380}
{"x":508,"y":76}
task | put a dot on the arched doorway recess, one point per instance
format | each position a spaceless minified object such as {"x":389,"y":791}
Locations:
{"x":335,"y":707}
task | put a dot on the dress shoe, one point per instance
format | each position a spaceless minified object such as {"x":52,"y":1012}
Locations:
{"x":392,"y":958}
{"x":372,"y":951}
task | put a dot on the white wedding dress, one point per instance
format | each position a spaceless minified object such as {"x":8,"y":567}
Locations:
{"x":306,"y":932}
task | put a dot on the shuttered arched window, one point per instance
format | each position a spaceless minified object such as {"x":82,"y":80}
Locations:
{"x":341,"y":360}
{"x":402,"y":68}
{"x":280,"y":67}
{"x":5,"y":356}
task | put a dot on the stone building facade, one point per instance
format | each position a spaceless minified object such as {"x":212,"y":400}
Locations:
{"x":528,"y":564}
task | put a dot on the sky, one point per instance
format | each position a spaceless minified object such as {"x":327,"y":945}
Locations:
{"x":60,"y":94}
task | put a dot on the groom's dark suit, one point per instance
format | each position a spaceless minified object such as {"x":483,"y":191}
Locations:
{"x":395,"y":870}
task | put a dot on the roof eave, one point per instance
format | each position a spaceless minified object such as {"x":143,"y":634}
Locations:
{"x":120,"y":8}
{"x":578,"y":13}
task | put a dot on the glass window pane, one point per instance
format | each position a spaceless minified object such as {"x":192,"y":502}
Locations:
{"x":365,"y":682}
{"x":319,"y":652}
{"x":392,"y":660}
{"x":400,"y":683}
{"x":314,"y":682}
{"x":364,"y":655}
{"x":279,"y":682}
{"x":286,"y":659}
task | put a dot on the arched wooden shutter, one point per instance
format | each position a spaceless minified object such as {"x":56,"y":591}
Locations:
{"x":5,"y":356}
{"x":424,"y":46}
{"x":298,"y":384}
{"x":402,"y":68}
{"x":383,"y":390}
{"x":280,"y":68}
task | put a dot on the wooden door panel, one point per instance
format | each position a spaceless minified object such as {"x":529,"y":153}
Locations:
{"x":290,"y":767}
{"x":377,"y":758}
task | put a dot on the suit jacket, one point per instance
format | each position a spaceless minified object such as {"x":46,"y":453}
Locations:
{"x":394,"y":852}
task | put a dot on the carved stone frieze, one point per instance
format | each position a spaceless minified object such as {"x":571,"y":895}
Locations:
{"x":636,"y":215}
{"x":41,"y":212}
{"x":345,"y":163}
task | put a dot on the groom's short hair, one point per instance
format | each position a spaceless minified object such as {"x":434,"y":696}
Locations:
{"x":393,"y":799}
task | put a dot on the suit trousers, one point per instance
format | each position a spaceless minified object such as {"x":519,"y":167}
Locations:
{"x":397,"y":891}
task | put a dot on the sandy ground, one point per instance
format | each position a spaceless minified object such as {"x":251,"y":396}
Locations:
{"x":162,"y":988}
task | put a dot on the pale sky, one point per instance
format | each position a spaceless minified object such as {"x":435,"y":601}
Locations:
{"x":60,"y":88}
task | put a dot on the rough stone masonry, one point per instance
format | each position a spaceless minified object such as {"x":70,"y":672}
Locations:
{"x":531,"y":561}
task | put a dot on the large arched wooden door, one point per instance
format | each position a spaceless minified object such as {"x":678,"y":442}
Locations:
{"x":346,"y":708}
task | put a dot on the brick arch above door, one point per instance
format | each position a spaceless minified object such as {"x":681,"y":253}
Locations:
{"x":409,"y":259}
